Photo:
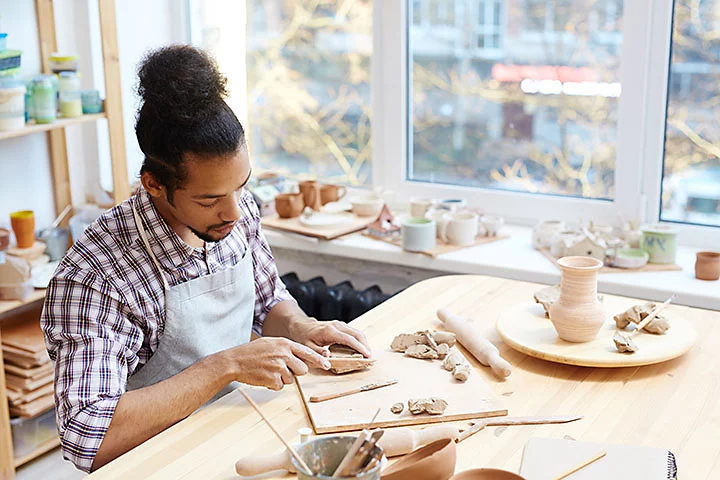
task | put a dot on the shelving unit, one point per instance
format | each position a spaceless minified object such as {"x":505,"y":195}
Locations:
{"x":57,"y":147}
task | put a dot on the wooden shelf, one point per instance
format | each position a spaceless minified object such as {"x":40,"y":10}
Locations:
{"x":31,"y":128}
{"x":41,"y":449}
{"x":7,"y":306}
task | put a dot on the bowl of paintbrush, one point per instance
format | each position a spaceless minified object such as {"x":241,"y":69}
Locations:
{"x":340,"y":457}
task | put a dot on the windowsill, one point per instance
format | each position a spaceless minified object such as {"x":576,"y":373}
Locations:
{"x":515,"y":258}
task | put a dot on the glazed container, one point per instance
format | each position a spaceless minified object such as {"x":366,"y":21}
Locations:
{"x":707,"y":266}
{"x":91,"y":101}
{"x":23,"y":226}
{"x":323,"y":455}
{"x":44,"y":100}
{"x":660,"y":242}
{"x":63,"y":62}
{"x":70,"y":101}
{"x":435,"y":461}
{"x":12,"y":103}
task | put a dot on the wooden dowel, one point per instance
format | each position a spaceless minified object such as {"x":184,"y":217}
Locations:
{"x":365,"y":388}
{"x":277,"y":434}
{"x":652,"y":315}
{"x":581,"y":466}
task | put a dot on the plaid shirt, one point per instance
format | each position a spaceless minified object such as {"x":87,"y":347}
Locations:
{"x":104,"y":312}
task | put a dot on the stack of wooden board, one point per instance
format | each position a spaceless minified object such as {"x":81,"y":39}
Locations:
{"x":28,"y":369}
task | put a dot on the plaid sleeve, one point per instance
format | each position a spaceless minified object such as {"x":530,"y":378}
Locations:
{"x":93,"y":347}
{"x":269,"y":289}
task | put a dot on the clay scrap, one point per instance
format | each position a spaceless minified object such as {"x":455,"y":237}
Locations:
{"x":431,"y":406}
{"x":547,"y":296}
{"x":344,"y":359}
{"x":456,"y":363}
{"x":624,"y":344}
{"x":433,"y":339}
{"x":636,"y":314}
{"x":422,"y":352}
{"x":397,"y":408}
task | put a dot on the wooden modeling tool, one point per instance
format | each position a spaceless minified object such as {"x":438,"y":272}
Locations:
{"x":277,"y":434}
{"x":503,"y":421}
{"x":581,"y":466}
{"x":624,"y":343}
{"x":654,"y":313}
{"x":352,"y":391}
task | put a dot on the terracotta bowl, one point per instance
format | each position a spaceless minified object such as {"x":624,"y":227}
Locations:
{"x":435,"y":461}
{"x":487,"y":474}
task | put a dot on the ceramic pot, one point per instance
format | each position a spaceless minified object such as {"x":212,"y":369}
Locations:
{"x":707,"y":266}
{"x":544,"y":231}
{"x":459,"y":228}
{"x":331,"y":193}
{"x":311,"y":194}
{"x":418,"y":234}
{"x":578,"y":315}
{"x":660,"y":242}
{"x":435,"y":461}
{"x":368,"y":206}
{"x":289,"y":205}
{"x":23,"y":225}
{"x":487,"y":474}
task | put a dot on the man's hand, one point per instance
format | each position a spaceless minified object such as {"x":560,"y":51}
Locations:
{"x":318,"y":335}
{"x":271,"y":362}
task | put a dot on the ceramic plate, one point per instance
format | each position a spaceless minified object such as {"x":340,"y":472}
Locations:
{"x":326,"y":220}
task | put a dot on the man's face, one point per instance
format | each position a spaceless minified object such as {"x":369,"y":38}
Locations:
{"x":207,"y":203}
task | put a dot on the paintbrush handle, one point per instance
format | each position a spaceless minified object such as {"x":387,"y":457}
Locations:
{"x":581,"y":466}
{"x":277,"y":434}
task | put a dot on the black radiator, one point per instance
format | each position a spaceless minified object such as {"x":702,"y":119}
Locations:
{"x":332,"y":302}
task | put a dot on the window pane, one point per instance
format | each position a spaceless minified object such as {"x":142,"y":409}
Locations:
{"x":526,"y":101}
{"x":308,"y":82}
{"x":691,"y":173}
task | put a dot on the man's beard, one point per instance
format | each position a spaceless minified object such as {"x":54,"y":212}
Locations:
{"x":206,"y":237}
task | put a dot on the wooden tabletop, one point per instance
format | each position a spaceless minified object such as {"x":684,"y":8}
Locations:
{"x":673,"y":405}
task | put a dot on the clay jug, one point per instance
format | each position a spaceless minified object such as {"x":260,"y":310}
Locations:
{"x":707,"y":266}
{"x":289,"y":205}
{"x":311,"y":193}
{"x":578,"y":315}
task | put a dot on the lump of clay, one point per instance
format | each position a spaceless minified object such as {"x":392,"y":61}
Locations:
{"x":453,"y":360}
{"x":397,"y":408}
{"x":434,"y":339}
{"x":443,"y":350}
{"x":432,"y":405}
{"x":547,"y":296}
{"x":421,"y":351}
{"x":637,"y":313}
{"x":462,"y":372}
{"x":624,"y":344}
{"x":342,"y":365}
{"x":444,"y":338}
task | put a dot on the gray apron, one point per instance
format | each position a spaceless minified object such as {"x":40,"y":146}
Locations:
{"x":202,"y":316}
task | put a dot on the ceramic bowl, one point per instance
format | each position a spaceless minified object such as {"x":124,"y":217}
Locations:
{"x":369,"y":206}
{"x":630,"y":258}
{"x":435,"y":461}
{"x":487,"y":474}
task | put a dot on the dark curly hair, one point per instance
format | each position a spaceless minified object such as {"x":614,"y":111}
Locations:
{"x":182,"y":110}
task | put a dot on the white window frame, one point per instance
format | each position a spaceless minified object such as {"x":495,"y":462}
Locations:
{"x":640,"y":137}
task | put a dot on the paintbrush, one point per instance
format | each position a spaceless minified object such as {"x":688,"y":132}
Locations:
{"x":342,"y":470}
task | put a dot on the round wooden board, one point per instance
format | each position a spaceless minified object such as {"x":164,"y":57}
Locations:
{"x":525,"y":328}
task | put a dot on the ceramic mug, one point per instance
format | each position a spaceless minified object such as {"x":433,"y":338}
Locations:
{"x":311,"y":194}
{"x":420,"y":206}
{"x":418,"y":234}
{"x":460,"y":228}
{"x":289,"y":205}
{"x":331,"y":193}
{"x":438,"y":215}
{"x":23,"y":225}
{"x":660,"y":242}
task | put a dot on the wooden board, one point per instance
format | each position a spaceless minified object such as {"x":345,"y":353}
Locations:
{"x":34,"y":408}
{"x":327,"y":233}
{"x":546,"y":458}
{"x":650,"y":267}
{"x":416,"y":379}
{"x":32,"y":373}
{"x":26,"y":384}
{"x":12,"y":353}
{"x":441,"y":247}
{"x":24,"y":335}
{"x":525,"y":328}
{"x":17,"y":399}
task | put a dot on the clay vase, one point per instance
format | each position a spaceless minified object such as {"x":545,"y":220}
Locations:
{"x":23,"y":225}
{"x":487,"y":474}
{"x":707,"y":266}
{"x":331,"y":193}
{"x":435,"y":461}
{"x":289,"y":205}
{"x":311,"y":193}
{"x":578,"y":315}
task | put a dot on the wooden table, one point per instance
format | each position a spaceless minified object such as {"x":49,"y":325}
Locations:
{"x":674,"y":405}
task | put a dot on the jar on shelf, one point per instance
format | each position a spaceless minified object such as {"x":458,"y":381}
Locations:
{"x":63,"y":63}
{"x":12,"y":103}
{"x":91,"y":101}
{"x":44,"y":100}
{"x":70,"y":101}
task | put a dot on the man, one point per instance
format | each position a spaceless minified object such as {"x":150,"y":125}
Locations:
{"x":150,"y":313}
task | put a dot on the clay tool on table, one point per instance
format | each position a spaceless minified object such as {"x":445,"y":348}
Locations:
{"x":505,"y":421}
{"x":277,"y":434}
{"x":581,"y":466}
{"x":626,"y":340}
{"x":365,"y":388}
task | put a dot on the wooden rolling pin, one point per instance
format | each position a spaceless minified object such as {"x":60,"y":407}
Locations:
{"x":479,"y":346}
{"x":395,"y":441}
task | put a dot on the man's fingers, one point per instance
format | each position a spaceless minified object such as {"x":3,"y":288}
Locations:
{"x":346,"y":339}
{"x":297,"y":366}
{"x":287,"y":377}
{"x":360,"y":343}
{"x":309,"y":356}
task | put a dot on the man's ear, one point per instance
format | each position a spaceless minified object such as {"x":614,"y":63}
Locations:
{"x":153,"y":187}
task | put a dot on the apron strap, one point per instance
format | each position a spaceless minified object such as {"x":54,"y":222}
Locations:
{"x":144,"y":237}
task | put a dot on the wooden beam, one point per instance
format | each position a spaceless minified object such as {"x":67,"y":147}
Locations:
{"x":7,"y":463}
{"x":113,"y":100}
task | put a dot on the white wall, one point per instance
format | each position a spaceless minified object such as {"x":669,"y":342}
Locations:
{"x":25,"y":179}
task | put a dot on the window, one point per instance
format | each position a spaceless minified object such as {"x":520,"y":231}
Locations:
{"x":304,"y":80}
{"x":514,"y":112}
{"x":691,"y":170}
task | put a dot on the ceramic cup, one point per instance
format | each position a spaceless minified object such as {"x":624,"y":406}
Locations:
{"x":660,"y":242}
{"x":438,"y":215}
{"x":545,"y":231}
{"x":452,"y":204}
{"x":23,"y":225}
{"x":707,"y":266}
{"x":420,"y":206}
{"x":311,"y":194}
{"x":331,"y":193}
{"x":418,"y":234}
{"x":492,"y":224}
{"x":367,"y":206}
{"x":460,"y":228}
{"x":289,"y":205}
